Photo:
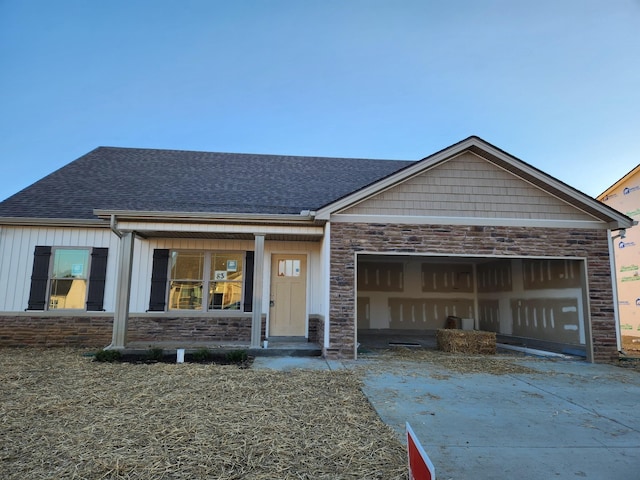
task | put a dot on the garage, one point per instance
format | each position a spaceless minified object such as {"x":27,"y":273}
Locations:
{"x":475,"y":233}
{"x":529,"y":302}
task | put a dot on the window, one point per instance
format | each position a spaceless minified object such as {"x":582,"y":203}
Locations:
{"x":186,"y":280}
{"x":289,"y":268}
{"x":65,"y":278}
{"x":205,"y":280}
{"x":225,"y":288}
{"x":68,"y":278}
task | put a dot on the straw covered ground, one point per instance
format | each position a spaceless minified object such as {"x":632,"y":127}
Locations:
{"x":447,"y":363}
{"x":64,"y":416}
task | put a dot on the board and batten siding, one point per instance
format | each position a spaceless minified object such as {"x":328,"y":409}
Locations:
{"x":143,"y":263}
{"x":17,"y":246}
{"x":468,"y":186}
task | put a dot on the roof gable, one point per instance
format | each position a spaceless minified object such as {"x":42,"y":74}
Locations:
{"x":471,"y":187}
{"x":475,"y":180}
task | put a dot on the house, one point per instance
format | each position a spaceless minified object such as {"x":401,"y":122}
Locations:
{"x":624,"y":196}
{"x":126,"y":245}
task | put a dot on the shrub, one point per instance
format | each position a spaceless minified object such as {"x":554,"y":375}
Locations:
{"x":107,"y":356}
{"x":201,"y":355}
{"x":237,"y":356}
{"x":155,"y":354}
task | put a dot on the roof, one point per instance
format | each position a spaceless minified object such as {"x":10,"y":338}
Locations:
{"x":619,"y":183}
{"x":161,"y":183}
{"x":135,"y":179}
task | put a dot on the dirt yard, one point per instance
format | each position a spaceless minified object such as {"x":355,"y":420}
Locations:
{"x":64,"y":416}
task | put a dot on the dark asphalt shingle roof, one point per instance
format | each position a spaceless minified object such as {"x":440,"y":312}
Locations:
{"x":110,"y":178}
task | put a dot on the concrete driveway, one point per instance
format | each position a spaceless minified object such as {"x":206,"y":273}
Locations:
{"x":568,"y":420}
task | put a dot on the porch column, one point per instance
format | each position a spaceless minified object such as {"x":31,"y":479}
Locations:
{"x":258,"y":288}
{"x":123,"y":292}
{"x":326,"y":288}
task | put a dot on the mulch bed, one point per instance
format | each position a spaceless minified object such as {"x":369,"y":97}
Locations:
{"x":211,"y":358}
{"x":64,"y":416}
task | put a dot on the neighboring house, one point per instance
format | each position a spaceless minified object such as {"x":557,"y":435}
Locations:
{"x":129,"y":245}
{"x":624,"y":196}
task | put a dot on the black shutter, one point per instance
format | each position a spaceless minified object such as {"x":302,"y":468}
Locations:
{"x":157,"y":299}
{"x":39,"y":278}
{"x":248,"y":282}
{"x":97,"y":277}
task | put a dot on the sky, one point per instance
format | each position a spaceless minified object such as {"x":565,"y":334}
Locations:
{"x":554,"y":83}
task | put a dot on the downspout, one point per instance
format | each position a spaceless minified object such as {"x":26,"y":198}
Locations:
{"x":112,"y":224}
{"x":614,"y":286}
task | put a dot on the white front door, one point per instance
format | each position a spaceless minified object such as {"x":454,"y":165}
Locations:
{"x":288,"y":302}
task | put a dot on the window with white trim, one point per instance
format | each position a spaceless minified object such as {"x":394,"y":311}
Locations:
{"x":68,"y":278}
{"x":205,"y":280}
{"x":65,"y":278}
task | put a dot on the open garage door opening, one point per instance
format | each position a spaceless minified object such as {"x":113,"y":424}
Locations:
{"x":533,"y":303}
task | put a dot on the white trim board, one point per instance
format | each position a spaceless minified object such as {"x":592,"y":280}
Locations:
{"x":470,"y":221}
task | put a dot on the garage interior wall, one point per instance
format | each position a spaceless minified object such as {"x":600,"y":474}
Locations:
{"x":541,"y":299}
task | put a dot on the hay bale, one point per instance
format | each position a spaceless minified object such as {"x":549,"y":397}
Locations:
{"x":466,"y":341}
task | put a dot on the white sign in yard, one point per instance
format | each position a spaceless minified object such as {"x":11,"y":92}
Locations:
{"x":420,"y":466}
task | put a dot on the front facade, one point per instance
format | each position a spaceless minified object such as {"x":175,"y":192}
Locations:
{"x":624,"y":196}
{"x":311,"y":249}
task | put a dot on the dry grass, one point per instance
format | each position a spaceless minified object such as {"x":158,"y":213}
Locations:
{"x":64,"y":416}
{"x":631,"y":345}
{"x":445,"y":363}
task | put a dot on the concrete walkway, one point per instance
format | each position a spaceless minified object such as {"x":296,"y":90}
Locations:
{"x":570,"y":420}
{"x":290,"y":363}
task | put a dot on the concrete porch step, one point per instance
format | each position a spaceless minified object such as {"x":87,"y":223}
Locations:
{"x":287,"y":350}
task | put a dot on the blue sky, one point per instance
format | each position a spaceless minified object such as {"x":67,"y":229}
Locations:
{"x":555,"y":83}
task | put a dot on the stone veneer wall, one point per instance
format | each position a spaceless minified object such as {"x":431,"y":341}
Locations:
{"x":55,"y":331}
{"x":194,"y":329}
{"x":316,"y":329}
{"x":96,"y":331}
{"x":349,"y":238}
